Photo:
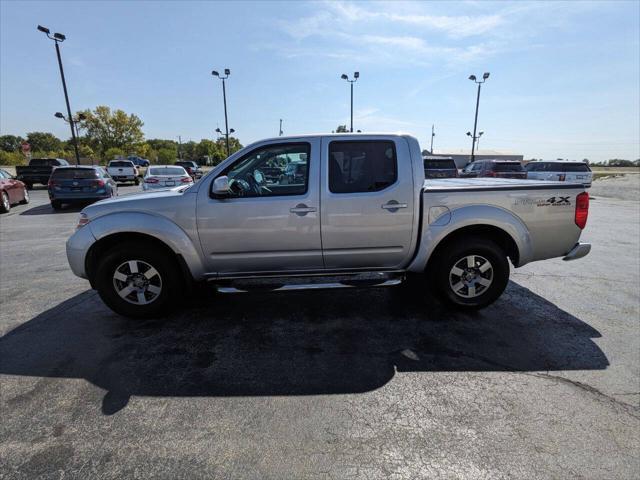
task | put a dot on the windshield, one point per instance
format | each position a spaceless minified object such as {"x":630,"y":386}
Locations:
{"x":75,"y":173}
{"x":439,"y":164}
{"x":121,"y":164}
{"x":167,"y":171}
{"x":507,"y":167}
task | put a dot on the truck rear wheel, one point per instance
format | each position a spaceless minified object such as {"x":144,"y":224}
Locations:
{"x":138,"y":280}
{"x":471,"y":273}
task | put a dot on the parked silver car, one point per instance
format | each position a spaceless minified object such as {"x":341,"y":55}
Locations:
{"x":165,"y":176}
{"x":362,"y":205}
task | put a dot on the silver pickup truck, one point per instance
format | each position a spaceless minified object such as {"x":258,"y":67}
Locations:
{"x":356,"y":208}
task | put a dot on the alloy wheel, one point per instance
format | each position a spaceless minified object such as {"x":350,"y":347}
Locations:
{"x":471,"y":276}
{"x":137,"y":282}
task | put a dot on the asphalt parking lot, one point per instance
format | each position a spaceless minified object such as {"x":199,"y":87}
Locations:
{"x":380,"y":383}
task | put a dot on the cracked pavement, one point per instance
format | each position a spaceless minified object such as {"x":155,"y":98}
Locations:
{"x":379,"y":383}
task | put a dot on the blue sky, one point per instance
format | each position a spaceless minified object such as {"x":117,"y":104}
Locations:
{"x":565,"y":79}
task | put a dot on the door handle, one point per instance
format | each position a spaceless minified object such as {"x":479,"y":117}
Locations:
{"x":394,"y":206}
{"x":301,"y":209}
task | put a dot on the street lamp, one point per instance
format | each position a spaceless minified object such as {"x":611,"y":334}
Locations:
{"x":356,"y":75}
{"x":477,"y":140}
{"x":74,"y":121}
{"x":57,"y":38}
{"x":227,"y":72}
{"x":475,"y":123}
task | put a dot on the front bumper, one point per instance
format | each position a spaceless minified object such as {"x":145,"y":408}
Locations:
{"x":77,"y":248}
{"x":578,"y":251}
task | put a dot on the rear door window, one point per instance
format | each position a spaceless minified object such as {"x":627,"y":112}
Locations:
{"x":575,"y":167}
{"x":365,"y":166}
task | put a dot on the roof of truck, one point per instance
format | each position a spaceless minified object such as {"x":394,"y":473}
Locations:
{"x":341,"y":135}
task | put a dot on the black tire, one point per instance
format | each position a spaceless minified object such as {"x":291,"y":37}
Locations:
{"x":29,"y":185}
{"x":56,"y":204}
{"x":5,"y":204}
{"x":468,"y":291}
{"x":168,"y":280}
{"x":25,"y":199}
{"x":137,"y":181}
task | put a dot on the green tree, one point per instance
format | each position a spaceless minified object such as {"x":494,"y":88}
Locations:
{"x":12,"y":158}
{"x":112,"y":153}
{"x":206,"y":148}
{"x":86,"y":151}
{"x":158,"y":143}
{"x":44,"y":142}
{"x":107,"y":129}
{"x":188,"y":150}
{"x":618,"y":162}
{"x":143,"y":150}
{"x":10,"y":143}
{"x":167,"y":156}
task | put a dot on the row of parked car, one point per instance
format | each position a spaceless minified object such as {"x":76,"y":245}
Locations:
{"x":559,"y":171}
{"x":69,"y":184}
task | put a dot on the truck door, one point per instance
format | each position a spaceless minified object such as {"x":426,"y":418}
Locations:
{"x":271,"y":220}
{"x":367,"y":197}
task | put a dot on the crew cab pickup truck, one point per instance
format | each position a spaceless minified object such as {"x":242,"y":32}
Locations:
{"x":123,"y":171}
{"x":38,"y":171}
{"x":362,"y":211}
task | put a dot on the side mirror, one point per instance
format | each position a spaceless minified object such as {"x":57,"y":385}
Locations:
{"x":220,"y":187}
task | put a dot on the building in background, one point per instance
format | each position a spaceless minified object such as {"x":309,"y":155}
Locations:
{"x":462,"y":156}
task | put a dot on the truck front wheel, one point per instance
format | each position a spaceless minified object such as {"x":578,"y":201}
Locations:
{"x":138,"y":281}
{"x":471,"y":273}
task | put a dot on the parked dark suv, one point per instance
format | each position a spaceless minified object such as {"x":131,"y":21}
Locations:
{"x":494,"y":168}
{"x":80,"y":184}
{"x":191,"y":167}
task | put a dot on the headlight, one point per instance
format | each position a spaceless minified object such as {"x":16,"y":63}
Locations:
{"x":82,"y":220}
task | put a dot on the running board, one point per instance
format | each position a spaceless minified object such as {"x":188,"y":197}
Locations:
{"x":313,"y":286}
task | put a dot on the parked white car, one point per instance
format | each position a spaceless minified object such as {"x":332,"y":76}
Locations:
{"x":560,"y":171}
{"x":165,"y":176}
{"x":123,"y":171}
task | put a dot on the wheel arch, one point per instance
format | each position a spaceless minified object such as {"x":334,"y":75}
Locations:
{"x":106,"y":243}
{"x":490,"y":232}
{"x":497,"y":224}
{"x":141,"y":226}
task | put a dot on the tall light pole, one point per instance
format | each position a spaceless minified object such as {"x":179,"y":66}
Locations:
{"x":475,"y":123}
{"x":57,"y":38}
{"x":227,"y":72}
{"x":433,"y":134}
{"x":356,"y":75}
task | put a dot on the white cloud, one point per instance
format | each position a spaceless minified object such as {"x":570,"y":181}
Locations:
{"x":454,"y":26}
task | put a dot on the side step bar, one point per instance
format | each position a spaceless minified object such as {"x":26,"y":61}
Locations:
{"x":311,"y":286}
{"x":291,"y":287}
